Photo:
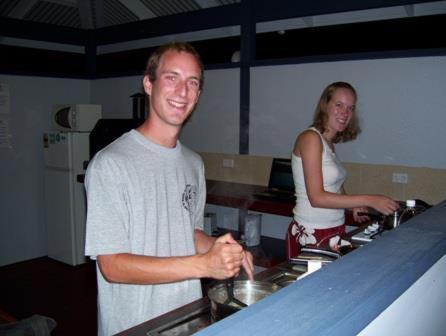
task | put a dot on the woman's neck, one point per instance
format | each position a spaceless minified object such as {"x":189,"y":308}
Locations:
{"x":328,"y":135}
{"x":329,"y":138}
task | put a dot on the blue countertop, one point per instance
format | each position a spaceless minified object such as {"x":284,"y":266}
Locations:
{"x":342,"y":298}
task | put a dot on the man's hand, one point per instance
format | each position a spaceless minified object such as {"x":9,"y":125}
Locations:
{"x":248,"y":264}
{"x":225,"y":258}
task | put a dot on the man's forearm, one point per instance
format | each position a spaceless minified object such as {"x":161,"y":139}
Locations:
{"x":203,"y":242}
{"x":146,"y":270}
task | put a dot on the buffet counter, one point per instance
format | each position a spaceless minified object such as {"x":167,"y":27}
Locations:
{"x":343,"y":297}
{"x":196,"y":315}
{"x":369,"y":291}
{"x":364,"y":287}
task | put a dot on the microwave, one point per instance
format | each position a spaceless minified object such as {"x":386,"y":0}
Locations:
{"x":76,"y":117}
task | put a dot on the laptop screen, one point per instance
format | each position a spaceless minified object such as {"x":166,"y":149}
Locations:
{"x":281,"y":176}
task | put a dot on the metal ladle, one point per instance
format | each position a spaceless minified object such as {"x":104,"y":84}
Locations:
{"x":231,"y":297}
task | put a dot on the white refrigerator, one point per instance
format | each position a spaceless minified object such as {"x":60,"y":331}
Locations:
{"x":66,"y":156}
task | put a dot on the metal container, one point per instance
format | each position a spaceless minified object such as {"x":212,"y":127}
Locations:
{"x":391,"y":221}
{"x":245,"y":291}
{"x":407,"y":210}
{"x":253,"y":225}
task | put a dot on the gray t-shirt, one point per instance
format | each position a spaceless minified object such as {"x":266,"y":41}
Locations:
{"x":143,"y":199}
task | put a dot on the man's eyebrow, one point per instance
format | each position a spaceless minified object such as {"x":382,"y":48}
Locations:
{"x":176,"y":73}
{"x":173,"y":72}
{"x":195,"y":77}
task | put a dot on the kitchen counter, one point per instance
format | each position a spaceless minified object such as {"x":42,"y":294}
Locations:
{"x":196,"y":315}
{"x":241,"y":196}
{"x":364,"y":287}
{"x":367,"y":291}
{"x":269,"y":254}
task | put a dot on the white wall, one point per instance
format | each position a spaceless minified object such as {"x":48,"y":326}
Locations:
{"x":22,"y":221}
{"x":401,"y":103}
{"x":214,"y":126}
{"x":114,"y":95}
{"x":401,"y":108}
{"x":419,"y":309}
{"x":23,"y":228}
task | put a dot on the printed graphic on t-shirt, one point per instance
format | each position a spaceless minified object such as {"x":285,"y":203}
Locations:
{"x":189,"y":197}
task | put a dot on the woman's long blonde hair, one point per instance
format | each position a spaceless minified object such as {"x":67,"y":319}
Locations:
{"x":321,"y":117}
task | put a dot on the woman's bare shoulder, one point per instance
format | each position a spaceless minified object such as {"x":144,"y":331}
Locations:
{"x":309,"y":135}
{"x":308,"y":139}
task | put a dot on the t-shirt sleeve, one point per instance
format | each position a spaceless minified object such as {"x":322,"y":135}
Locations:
{"x":201,"y":200}
{"x":107,"y":214}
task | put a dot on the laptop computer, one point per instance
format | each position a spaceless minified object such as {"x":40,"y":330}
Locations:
{"x":281,"y":183}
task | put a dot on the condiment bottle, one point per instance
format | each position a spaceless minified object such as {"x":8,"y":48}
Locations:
{"x":409,"y":212}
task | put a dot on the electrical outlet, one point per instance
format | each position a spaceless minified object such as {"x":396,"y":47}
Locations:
{"x":228,"y":163}
{"x":400,"y":178}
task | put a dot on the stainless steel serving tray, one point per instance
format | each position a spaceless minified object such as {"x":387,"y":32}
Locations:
{"x":195,"y":316}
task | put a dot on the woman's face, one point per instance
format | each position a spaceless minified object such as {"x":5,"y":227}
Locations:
{"x":340,"y":109}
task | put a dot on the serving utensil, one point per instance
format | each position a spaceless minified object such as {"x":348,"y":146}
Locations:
{"x":230,"y":291}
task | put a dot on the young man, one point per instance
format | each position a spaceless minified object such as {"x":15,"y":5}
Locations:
{"x":146,"y":196}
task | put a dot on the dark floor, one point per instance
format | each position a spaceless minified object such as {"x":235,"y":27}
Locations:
{"x":67,"y":294}
{"x":47,"y":287}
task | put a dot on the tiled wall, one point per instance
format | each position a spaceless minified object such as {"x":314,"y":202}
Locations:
{"x":247,"y":169}
{"x":423,"y":183}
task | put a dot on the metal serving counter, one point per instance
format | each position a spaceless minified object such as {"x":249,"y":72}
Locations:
{"x":343,"y":297}
{"x":196,"y":316}
{"x":346,"y":296}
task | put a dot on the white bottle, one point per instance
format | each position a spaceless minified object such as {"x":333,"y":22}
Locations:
{"x":409,"y":212}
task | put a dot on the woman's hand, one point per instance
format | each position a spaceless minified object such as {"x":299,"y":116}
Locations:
{"x":383,"y":204}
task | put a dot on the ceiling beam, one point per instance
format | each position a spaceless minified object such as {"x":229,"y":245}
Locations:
{"x":207,"y":3}
{"x":309,"y":21}
{"x":86,"y":14}
{"x":98,"y":7}
{"x":42,"y":32}
{"x":229,"y":15}
{"x":209,"y":18}
{"x":267,"y":10}
{"x":409,"y":10}
{"x":71,"y":3}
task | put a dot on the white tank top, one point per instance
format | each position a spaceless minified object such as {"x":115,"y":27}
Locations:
{"x":333,"y":175}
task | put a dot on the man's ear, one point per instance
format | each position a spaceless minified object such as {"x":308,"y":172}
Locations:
{"x":147,"y":85}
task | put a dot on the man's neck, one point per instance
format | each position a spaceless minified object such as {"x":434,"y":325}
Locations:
{"x":166,"y":136}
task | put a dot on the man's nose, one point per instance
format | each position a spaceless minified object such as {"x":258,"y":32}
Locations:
{"x":181,"y":88}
